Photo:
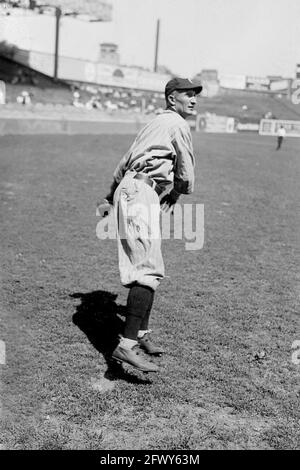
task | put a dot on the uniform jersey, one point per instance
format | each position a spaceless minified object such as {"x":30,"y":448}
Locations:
{"x":163,"y":150}
{"x":281,"y":132}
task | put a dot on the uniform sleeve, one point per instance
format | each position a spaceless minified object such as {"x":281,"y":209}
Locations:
{"x":184,"y":161}
{"x":122,"y":167}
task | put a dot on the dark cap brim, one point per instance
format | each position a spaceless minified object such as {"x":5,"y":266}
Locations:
{"x":197,"y":88}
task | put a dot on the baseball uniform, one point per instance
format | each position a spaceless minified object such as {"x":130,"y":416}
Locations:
{"x":161,"y":158}
{"x":163,"y":151}
{"x":281,"y":133}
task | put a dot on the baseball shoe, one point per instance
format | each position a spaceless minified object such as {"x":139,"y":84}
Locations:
{"x":132,"y":357}
{"x":149,"y":347}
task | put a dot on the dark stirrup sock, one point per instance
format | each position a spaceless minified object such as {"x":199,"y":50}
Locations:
{"x":145,"y":320}
{"x":139,"y":302}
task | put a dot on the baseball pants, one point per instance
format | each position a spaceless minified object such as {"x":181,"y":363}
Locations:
{"x":137,"y":210}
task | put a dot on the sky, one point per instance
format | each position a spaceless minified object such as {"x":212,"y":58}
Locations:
{"x":251,"y":37}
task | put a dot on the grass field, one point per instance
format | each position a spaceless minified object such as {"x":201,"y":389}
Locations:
{"x":227,"y":316}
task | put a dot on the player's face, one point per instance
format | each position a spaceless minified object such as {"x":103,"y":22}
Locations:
{"x":185,"y":102}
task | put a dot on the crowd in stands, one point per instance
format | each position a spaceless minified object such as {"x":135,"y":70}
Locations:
{"x":24,"y":98}
{"x":25,"y":76}
{"x":102,"y":98}
{"x":114,"y":99}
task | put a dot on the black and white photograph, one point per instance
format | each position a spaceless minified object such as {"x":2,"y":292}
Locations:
{"x":150,"y":228}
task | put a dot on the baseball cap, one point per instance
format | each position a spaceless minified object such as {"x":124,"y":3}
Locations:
{"x":182,"y":84}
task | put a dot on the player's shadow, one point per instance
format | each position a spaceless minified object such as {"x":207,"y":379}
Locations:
{"x":98,"y":316}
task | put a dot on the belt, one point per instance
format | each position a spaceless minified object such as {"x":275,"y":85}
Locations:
{"x":149,"y":181}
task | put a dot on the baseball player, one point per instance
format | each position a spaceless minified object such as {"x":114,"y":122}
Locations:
{"x":281,"y":133}
{"x":160,"y":160}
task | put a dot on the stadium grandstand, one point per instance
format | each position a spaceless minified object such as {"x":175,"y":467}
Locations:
{"x":100,"y":82}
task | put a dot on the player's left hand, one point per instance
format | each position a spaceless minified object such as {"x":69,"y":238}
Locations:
{"x":168,"y":201}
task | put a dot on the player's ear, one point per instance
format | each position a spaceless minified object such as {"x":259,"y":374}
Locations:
{"x":171,"y":98}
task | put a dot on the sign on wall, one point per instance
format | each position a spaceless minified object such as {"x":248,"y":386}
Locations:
{"x":213,"y":123}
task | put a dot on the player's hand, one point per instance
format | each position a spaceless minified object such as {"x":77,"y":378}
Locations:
{"x":169,"y":200}
{"x":103,"y":208}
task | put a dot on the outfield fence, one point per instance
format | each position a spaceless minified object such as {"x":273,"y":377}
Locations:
{"x":271,"y":126}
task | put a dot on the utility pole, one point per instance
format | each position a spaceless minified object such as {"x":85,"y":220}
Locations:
{"x":57,"y":15}
{"x":156,"y":45}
